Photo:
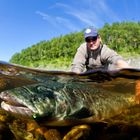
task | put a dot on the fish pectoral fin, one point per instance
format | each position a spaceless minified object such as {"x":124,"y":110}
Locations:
{"x":79,"y":114}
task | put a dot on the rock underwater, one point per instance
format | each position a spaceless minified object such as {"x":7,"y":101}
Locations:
{"x":41,"y":104}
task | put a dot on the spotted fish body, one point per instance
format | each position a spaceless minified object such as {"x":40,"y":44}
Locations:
{"x":70,"y":101}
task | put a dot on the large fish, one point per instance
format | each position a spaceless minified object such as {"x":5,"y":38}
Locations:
{"x":62,"y":97}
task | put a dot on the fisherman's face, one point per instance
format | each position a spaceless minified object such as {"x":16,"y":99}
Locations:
{"x":93,"y":42}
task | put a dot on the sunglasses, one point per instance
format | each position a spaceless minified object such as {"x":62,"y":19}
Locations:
{"x":89,"y":39}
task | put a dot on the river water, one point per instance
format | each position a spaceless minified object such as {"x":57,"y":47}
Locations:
{"x":121,"y":84}
{"x":134,"y":61}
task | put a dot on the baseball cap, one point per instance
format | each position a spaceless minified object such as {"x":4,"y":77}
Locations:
{"x":90,"y":32}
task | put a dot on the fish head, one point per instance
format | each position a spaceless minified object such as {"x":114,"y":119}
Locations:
{"x":32,"y":100}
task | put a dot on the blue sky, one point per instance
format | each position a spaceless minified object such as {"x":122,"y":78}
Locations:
{"x":24,"y":23}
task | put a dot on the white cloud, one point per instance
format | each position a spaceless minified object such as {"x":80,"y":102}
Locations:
{"x":91,"y":12}
{"x":86,"y":16}
{"x":107,"y":10}
{"x":46,"y":17}
{"x":56,"y":21}
{"x":67,"y":24}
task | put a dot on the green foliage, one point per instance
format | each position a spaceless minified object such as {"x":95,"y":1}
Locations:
{"x":58,"y":53}
{"x":122,"y":37}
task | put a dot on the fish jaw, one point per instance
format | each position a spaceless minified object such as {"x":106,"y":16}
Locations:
{"x":16,"y":109}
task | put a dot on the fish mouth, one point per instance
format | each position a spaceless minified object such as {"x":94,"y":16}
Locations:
{"x":10,"y":104}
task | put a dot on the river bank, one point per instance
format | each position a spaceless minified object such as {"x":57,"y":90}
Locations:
{"x":134,"y":61}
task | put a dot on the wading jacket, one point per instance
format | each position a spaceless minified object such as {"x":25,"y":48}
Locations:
{"x":101,"y":58}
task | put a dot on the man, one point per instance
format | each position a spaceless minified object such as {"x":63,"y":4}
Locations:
{"x":94,"y":55}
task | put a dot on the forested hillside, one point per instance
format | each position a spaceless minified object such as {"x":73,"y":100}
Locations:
{"x":58,"y":53}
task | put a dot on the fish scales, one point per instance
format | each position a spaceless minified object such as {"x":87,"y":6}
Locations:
{"x":99,"y":102}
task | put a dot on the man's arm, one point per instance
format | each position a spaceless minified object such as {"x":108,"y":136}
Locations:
{"x":122,"y":64}
{"x":114,"y":58}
